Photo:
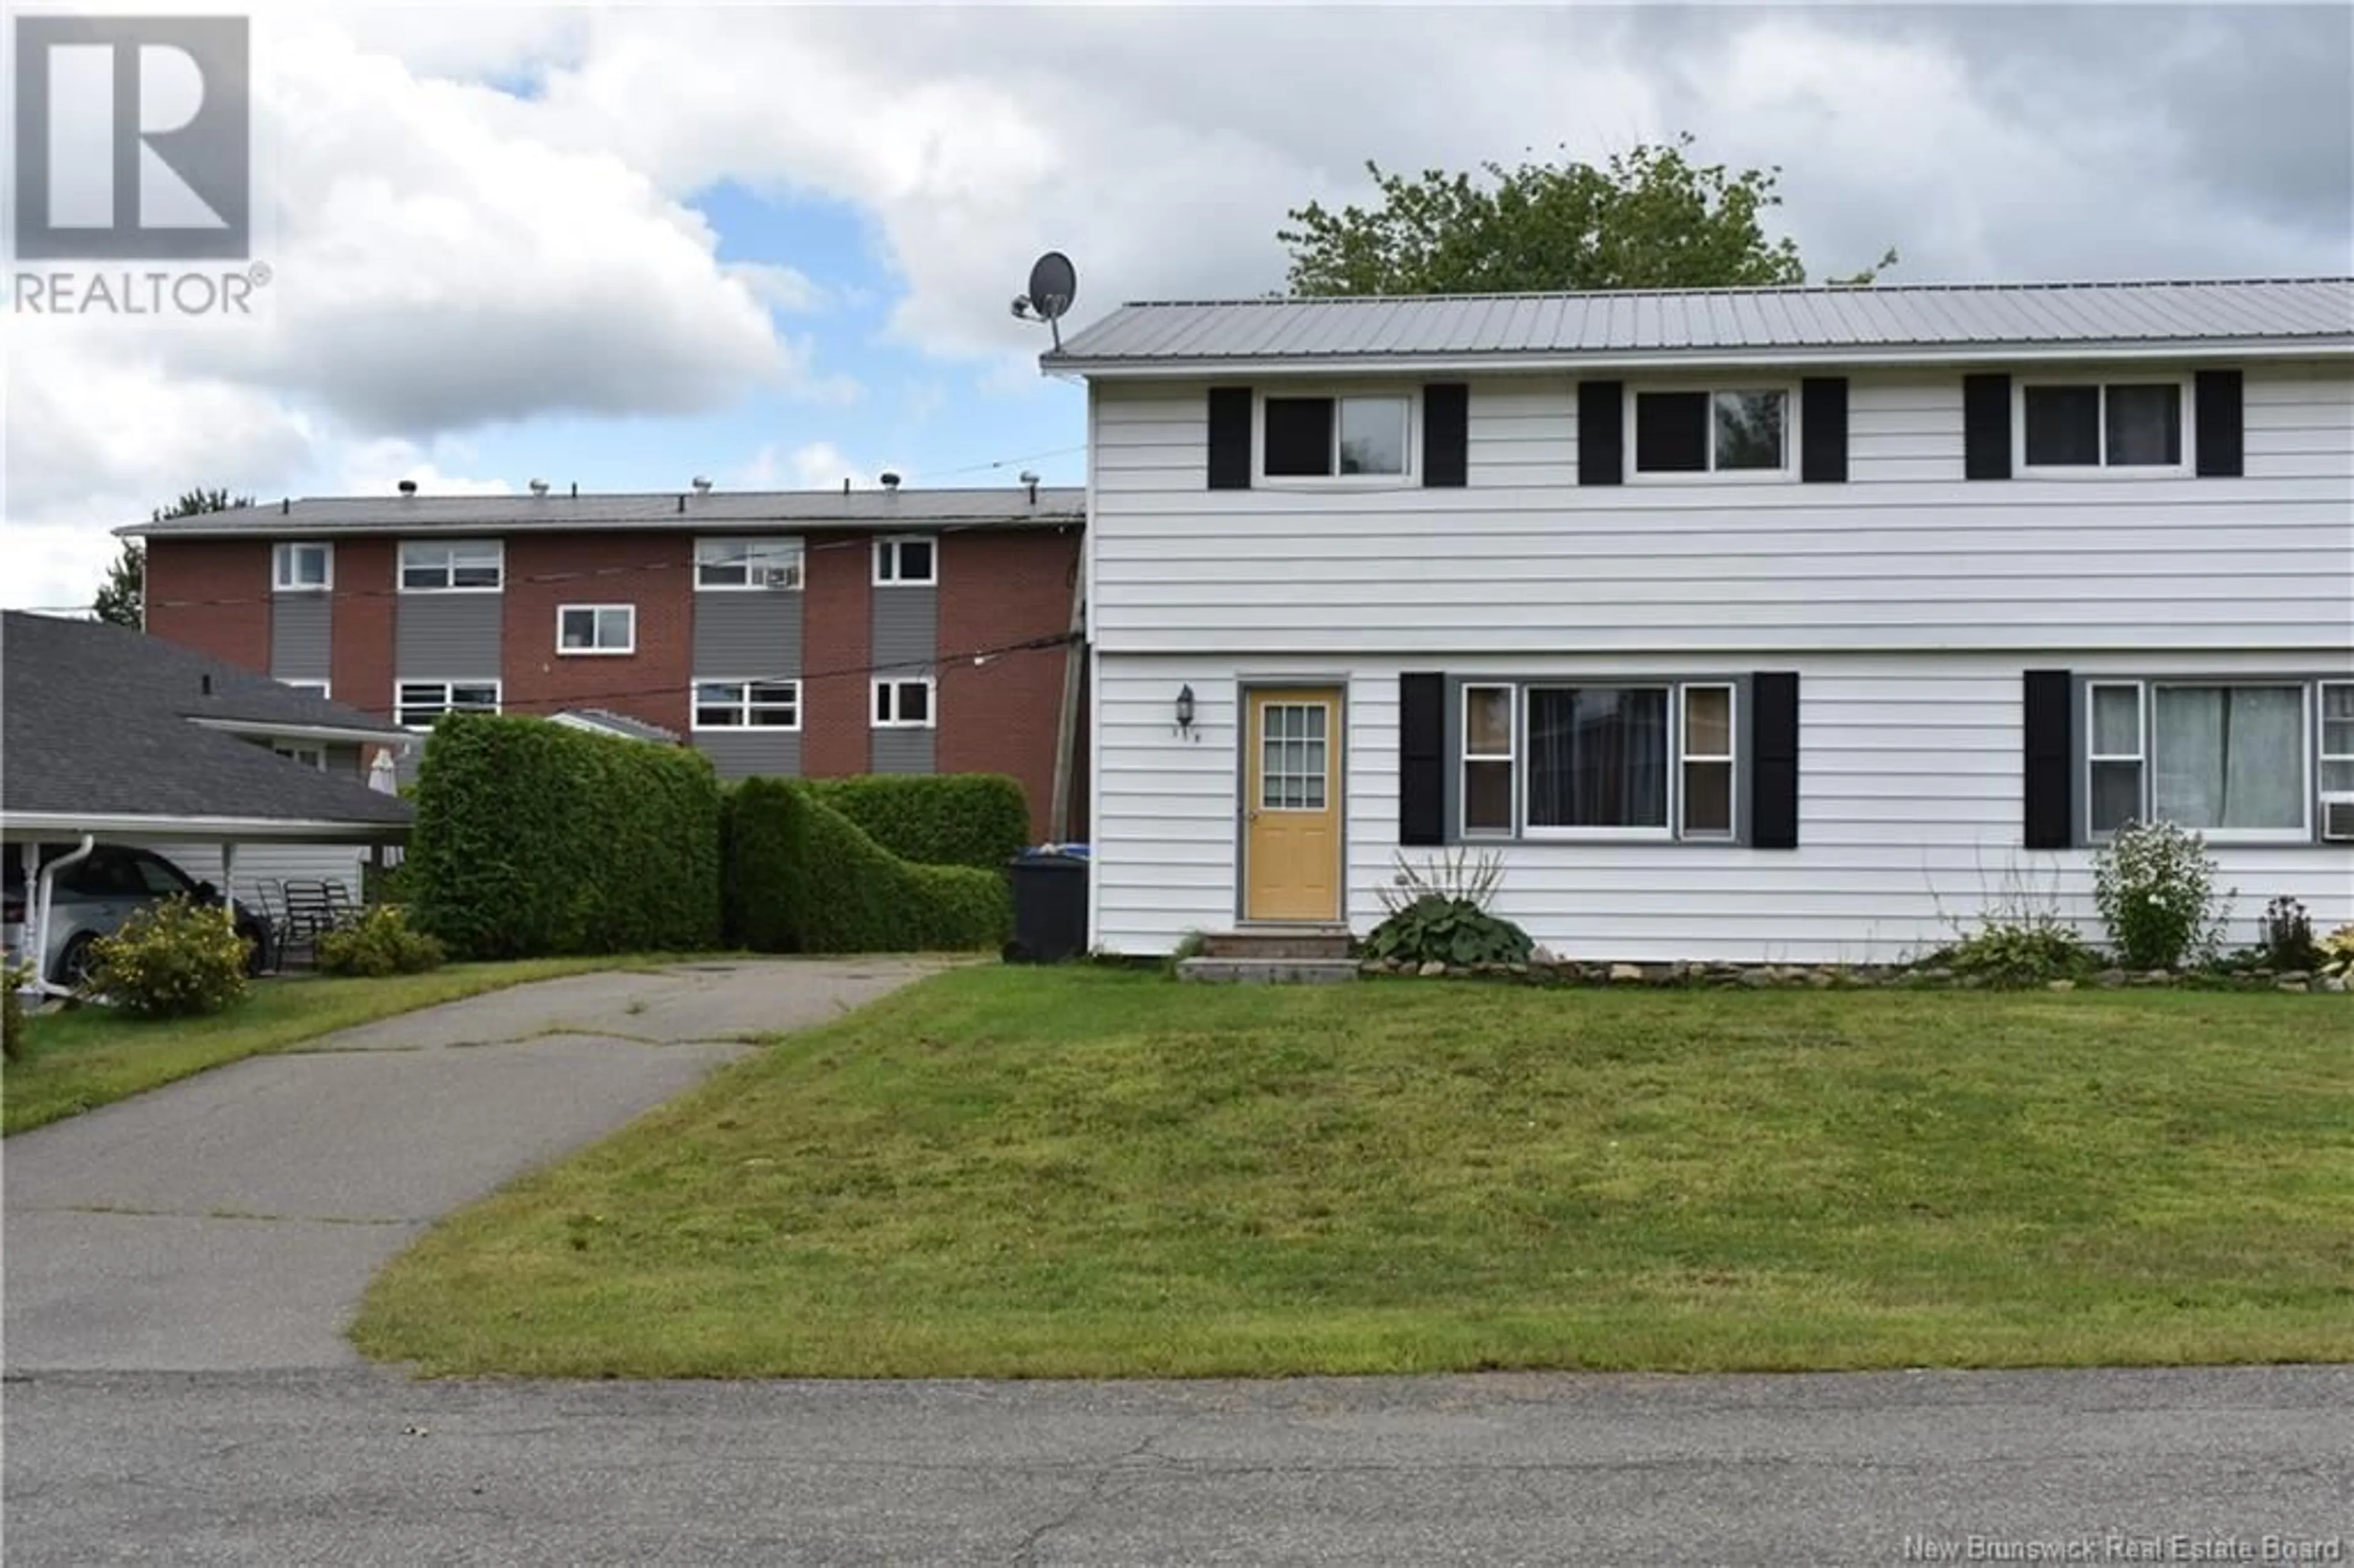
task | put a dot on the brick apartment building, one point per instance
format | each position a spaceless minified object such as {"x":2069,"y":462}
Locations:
{"x":816,"y":633}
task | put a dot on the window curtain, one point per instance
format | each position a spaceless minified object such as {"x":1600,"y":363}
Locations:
{"x":2230,"y":756}
{"x":1597,"y":757}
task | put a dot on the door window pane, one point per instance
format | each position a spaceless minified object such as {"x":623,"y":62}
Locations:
{"x":2228,"y":757}
{"x":2144,"y":425}
{"x":1597,"y":756}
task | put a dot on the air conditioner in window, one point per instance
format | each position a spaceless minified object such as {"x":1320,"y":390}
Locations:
{"x":2338,"y":818}
{"x":781,"y":577}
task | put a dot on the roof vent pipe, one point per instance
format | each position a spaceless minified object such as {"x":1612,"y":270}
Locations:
{"x":1031,"y":480}
{"x":285,"y":505}
{"x":204,"y":682}
{"x":408,"y":487}
{"x":575,"y":489}
{"x":845,"y":485}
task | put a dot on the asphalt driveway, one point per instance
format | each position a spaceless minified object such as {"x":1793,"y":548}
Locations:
{"x":229,"y":1222}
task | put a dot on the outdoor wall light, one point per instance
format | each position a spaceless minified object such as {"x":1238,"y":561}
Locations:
{"x":1185,"y":710}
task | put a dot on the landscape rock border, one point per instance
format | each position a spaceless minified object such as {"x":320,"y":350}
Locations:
{"x":1543,"y":968}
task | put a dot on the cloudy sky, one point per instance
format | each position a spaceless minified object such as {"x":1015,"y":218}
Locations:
{"x":774,"y":246}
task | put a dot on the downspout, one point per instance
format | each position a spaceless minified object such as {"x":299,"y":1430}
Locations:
{"x":1066,"y":728}
{"x":43,"y":893}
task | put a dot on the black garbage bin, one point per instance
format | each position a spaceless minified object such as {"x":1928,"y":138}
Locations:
{"x":1050,"y":905}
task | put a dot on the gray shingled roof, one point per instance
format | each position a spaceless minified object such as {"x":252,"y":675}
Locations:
{"x":1008,"y":506}
{"x":100,"y":722}
{"x":1880,"y":320}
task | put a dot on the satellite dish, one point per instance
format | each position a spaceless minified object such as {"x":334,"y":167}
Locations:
{"x":1054,"y":284}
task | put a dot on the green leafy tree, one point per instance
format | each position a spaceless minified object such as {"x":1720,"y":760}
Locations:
{"x":122,"y":597}
{"x":1650,"y":218}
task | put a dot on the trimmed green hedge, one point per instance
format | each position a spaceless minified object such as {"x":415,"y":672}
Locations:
{"x":946,"y":819}
{"x":804,"y":879}
{"x":535,"y":839}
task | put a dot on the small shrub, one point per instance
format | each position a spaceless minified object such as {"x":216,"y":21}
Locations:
{"x":980,"y":820}
{"x":2334,"y":954}
{"x":379,"y":943}
{"x":12,"y":1010}
{"x":2020,"y":947}
{"x":1192,"y":945}
{"x":1439,"y":913}
{"x":2154,"y":884}
{"x":169,"y":960}
{"x":2288,"y":935}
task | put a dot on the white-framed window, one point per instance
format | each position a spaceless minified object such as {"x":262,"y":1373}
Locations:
{"x":320,"y":689}
{"x":1685,"y":432}
{"x":903,"y":703}
{"x":2088,"y":425}
{"x":302,"y":566}
{"x":1337,"y":436}
{"x":452,"y":565}
{"x":1488,"y":770}
{"x":308,"y":753}
{"x":911,"y":560}
{"x":2337,"y":760}
{"x":2232,"y":760}
{"x":584,"y":628}
{"x":416,"y":704}
{"x":727,"y":564}
{"x":1598,"y":759}
{"x":743,"y":703}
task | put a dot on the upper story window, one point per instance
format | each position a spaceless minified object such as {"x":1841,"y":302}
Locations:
{"x":1581,"y":760}
{"x":2229,"y":759}
{"x":904,"y":703}
{"x":1733,"y":430}
{"x":416,"y":704}
{"x":1355,"y":437}
{"x":304,"y":568}
{"x":309,"y":753}
{"x":452,"y":565}
{"x":725,"y":564}
{"x":910,"y":562}
{"x":597,"y":629}
{"x":748,"y":704}
{"x":2089,"y":426}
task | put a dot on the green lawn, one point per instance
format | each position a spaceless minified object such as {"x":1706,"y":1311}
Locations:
{"x":92,"y":1056}
{"x":1006,"y":1172}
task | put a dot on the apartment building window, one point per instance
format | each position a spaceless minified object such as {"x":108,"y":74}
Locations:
{"x":306,"y":753}
{"x":748,"y":704}
{"x":725,"y":565}
{"x":903,"y":703}
{"x":417,"y":704}
{"x":303,"y":568}
{"x":597,"y":629}
{"x":452,"y":565}
{"x":910,"y":562}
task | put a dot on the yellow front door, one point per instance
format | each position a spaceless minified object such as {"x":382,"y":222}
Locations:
{"x":1291,"y":806}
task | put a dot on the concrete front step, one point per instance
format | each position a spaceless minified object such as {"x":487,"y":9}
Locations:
{"x":1268,"y":972}
{"x":1304,"y":942}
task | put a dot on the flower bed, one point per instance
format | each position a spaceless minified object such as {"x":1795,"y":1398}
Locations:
{"x":1546,"y":969}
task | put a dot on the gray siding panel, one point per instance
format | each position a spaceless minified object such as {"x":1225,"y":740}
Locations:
{"x":905,"y":627}
{"x":747,"y":633}
{"x":769,"y":753}
{"x":444,"y":635}
{"x":300,"y":636}
{"x":902,"y":750}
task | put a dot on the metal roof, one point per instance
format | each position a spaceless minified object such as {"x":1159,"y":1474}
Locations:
{"x":1875,"y":322}
{"x":1009,"y":506}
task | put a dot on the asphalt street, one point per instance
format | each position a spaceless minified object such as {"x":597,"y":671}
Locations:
{"x":368,"y":1467}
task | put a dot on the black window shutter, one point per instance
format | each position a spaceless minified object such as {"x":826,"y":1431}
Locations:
{"x":1986,"y":427}
{"x":2049,"y":783}
{"x":1446,"y":434}
{"x":1601,"y":432}
{"x":1230,"y":437}
{"x":1422,"y":758}
{"x":1822,"y":429}
{"x":1773,"y":759}
{"x":2220,"y":424}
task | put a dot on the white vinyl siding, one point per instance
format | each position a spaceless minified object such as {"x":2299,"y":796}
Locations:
{"x":258,"y":862}
{"x":1910,"y":813}
{"x":1906,"y":554}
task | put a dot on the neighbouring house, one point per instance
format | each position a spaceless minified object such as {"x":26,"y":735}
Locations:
{"x":233,"y":776}
{"x":1749,"y":625}
{"x":881,"y":631}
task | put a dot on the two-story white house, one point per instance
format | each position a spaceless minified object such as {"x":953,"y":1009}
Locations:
{"x":1760,"y":625}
